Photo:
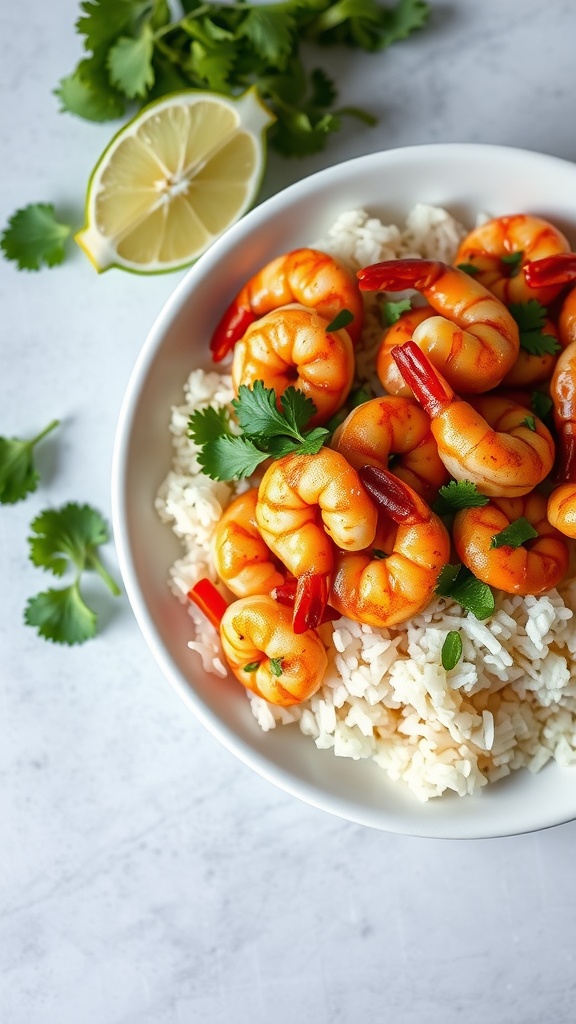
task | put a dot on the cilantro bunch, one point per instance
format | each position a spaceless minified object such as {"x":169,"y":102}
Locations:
{"x":139,"y":50}
{"x":268,"y":429}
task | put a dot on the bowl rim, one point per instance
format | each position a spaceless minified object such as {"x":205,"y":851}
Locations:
{"x":274,"y":773}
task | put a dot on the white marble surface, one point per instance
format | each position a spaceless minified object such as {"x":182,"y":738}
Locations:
{"x":146,"y":875}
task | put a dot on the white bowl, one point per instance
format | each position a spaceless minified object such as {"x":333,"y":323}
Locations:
{"x":467,"y":179}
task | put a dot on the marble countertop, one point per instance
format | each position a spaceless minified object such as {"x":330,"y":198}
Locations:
{"x":146,"y":875}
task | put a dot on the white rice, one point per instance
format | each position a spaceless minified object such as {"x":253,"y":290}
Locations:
{"x":510,"y":702}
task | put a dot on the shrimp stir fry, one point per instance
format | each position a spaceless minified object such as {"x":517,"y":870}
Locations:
{"x":306,"y":276}
{"x":473,"y":341}
{"x":345,"y":526}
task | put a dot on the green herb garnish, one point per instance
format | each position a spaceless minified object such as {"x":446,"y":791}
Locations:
{"x":392,"y":311}
{"x":529,"y":422}
{"x":144,"y":49}
{"x":458,"y":583}
{"x":514,"y":535}
{"x":276,"y":666}
{"x":468,"y":268}
{"x":457,"y":495}
{"x":251,"y":667}
{"x":513,"y":261}
{"x":266,"y":431}
{"x":34,"y":237}
{"x":342,"y":319}
{"x":65,"y":538}
{"x":531,"y":319}
{"x":541,"y":404}
{"x":18,"y":475}
{"x":451,"y":650}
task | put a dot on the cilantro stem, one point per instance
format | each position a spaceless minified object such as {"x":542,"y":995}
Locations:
{"x":93,"y":562}
{"x":51,"y":426}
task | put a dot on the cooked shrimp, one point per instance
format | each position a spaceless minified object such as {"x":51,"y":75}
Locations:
{"x":533,"y":567}
{"x":557,"y":270}
{"x":491,"y":443}
{"x":475,"y":341}
{"x":265,"y":654}
{"x":388,"y":373}
{"x":561,"y":509}
{"x":307,"y":276}
{"x":241,"y":558}
{"x":307,"y":504}
{"x":393,"y":427}
{"x":501,"y":248}
{"x":395,"y":579}
{"x":292,"y":346}
{"x":529,"y":368}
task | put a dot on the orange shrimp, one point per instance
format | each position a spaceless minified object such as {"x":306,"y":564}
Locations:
{"x":475,"y":340}
{"x":397,"y":427}
{"x":307,"y":276}
{"x":241,"y":558}
{"x":562,"y":501}
{"x":491,"y":443}
{"x":529,"y":368}
{"x":389,"y":584}
{"x":388,"y":373}
{"x":557,"y":270}
{"x":265,"y":654}
{"x":501,"y":248}
{"x":533,"y":567}
{"x":292,"y":346}
{"x":307,"y":504}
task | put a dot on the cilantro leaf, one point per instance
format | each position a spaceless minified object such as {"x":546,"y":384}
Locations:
{"x":61,"y":615}
{"x":65,"y":538}
{"x":230,"y":458}
{"x":451,"y":650}
{"x":365,"y":24}
{"x":252,"y":666}
{"x":130,"y":64}
{"x":392,"y":311}
{"x":541,"y":404}
{"x":342,"y":319}
{"x":88,"y":93}
{"x":271,"y":31}
{"x":529,"y":422}
{"x":259,"y":416}
{"x":513,"y":260}
{"x":514,"y":535}
{"x":297,"y":408}
{"x":207,"y":424}
{"x":458,"y":583}
{"x":18,"y":475}
{"x":468,"y":268}
{"x":457,"y":495}
{"x":276,"y":666}
{"x":34,"y":236}
{"x":531,"y":319}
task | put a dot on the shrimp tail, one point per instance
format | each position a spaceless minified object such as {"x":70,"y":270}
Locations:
{"x":310,"y":601}
{"x":429,"y":387}
{"x":397,"y":275}
{"x":558,"y":269}
{"x":391,"y":494}
{"x":231,"y":327}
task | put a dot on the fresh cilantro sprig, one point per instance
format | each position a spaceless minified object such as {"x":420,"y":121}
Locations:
{"x":457,"y":495}
{"x":541,"y":404}
{"x":531,"y":319}
{"x":62,"y":539}
{"x":34,"y":237}
{"x":18,"y":474}
{"x":139,"y":50}
{"x":514,"y":535}
{"x":459,"y":584}
{"x":268,"y":430}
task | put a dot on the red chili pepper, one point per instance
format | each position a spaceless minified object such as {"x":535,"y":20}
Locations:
{"x":209,"y":600}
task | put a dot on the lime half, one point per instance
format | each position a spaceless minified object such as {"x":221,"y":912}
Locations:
{"x":173,"y":179}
